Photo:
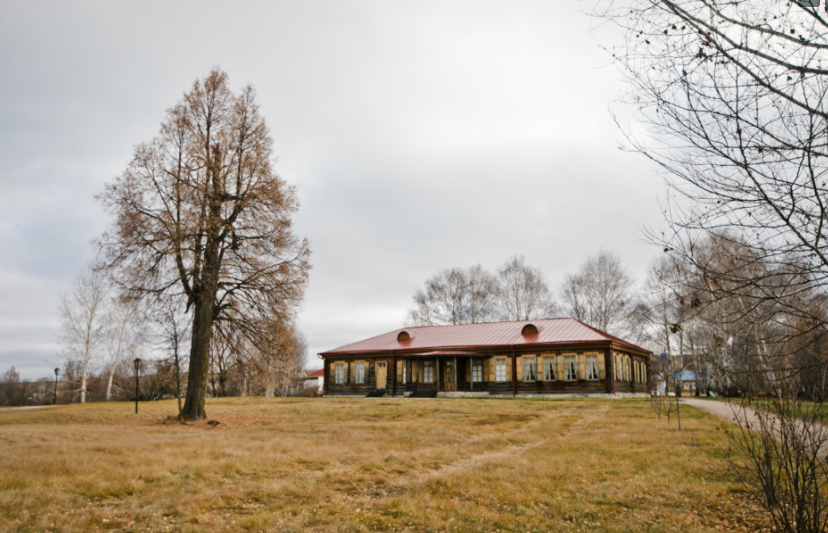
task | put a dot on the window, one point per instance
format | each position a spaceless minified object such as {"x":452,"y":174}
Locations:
{"x":617,"y":368}
{"x":529,"y":369}
{"x":428,"y":371}
{"x":570,"y":369}
{"x":549,"y":368}
{"x":500,"y":369}
{"x":686,"y":386}
{"x":360,"y":373}
{"x":627,"y":367}
{"x":592,"y":367}
{"x":404,"y":372}
{"x":477,"y":371}
{"x":340,"y":374}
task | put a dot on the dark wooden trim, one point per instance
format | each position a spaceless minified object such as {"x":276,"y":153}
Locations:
{"x":514,"y":373}
{"x":393,"y":375}
{"x":610,"y":370}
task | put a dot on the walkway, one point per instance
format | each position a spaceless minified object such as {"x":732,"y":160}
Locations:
{"x":734,"y":413}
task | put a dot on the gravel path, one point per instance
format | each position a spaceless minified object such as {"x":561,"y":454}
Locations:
{"x":721,"y":409}
{"x":733,"y":413}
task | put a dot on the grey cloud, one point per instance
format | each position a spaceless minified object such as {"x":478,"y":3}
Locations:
{"x":419,"y":135}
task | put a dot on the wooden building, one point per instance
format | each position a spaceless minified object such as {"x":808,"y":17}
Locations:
{"x":535,"y":357}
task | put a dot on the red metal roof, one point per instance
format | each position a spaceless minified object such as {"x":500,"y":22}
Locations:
{"x":316,"y":374}
{"x":552,"y":331}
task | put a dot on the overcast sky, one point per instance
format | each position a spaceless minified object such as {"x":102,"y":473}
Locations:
{"x":420,"y":135}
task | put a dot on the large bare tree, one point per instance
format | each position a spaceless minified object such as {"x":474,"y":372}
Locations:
{"x":733,"y":95}
{"x":201,"y":213}
{"x":83,"y":316}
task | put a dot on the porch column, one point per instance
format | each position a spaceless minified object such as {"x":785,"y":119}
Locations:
{"x":438,"y":373}
{"x":393,"y":375}
{"x":456,"y":378}
{"x":609,"y":361}
{"x":647,"y":369}
{"x":514,"y":374}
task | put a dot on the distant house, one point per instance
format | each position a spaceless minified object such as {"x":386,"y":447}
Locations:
{"x":315,"y":380}
{"x":530,"y":357}
{"x":688,"y":382}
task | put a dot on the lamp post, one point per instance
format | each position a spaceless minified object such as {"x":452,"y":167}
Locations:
{"x":137,"y":367}
{"x":57,"y":371}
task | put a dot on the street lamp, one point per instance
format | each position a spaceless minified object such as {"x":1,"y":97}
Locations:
{"x":137,"y":367}
{"x":57,"y":371}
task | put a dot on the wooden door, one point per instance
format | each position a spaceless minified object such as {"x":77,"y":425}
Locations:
{"x":382,"y":375}
{"x":450,"y":376}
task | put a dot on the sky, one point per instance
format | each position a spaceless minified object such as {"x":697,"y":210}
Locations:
{"x":419,"y":135}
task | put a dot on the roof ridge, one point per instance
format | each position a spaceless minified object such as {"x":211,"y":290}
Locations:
{"x":480,"y":323}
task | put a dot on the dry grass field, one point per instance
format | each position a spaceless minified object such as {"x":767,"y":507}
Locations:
{"x":366,"y":464}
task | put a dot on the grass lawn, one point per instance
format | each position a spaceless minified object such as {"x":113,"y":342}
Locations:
{"x":365,"y":464}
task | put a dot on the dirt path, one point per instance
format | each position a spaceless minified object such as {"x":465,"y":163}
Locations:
{"x":10,"y":410}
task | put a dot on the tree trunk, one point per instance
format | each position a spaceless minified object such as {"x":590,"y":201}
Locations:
{"x":199,"y":361}
{"x":177,"y":378}
{"x":83,"y":387}
{"x":109,"y":382}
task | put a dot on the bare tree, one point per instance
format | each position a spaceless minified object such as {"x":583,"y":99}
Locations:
{"x":11,"y":388}
{"x":455,"y":296}
{"x":523,"y":293}
{"x":779,"y":454}
{"x":473,"y":295}
{"x":83,"y":327}
{"x":273,"y":364}
{"x":124,"y":333}
{"x":172,"y":333}
{"x":481,"y":289}
{"x":601,"y":294}
{"x":200,"y":212}
{"x":734,"y":98}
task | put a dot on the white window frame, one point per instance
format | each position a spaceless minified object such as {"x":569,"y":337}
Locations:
{"x":359,"y":373}
{"x":570,"y":368}
{"x":404,"y":372}
{"x":477,"y":371}
{"x":339,"y":372}
{"x":500,"y":369}
{"x":428,"y":371}
{"x":529,"y":369}
{"x":549,"y":369}
{"x":592,"y":367}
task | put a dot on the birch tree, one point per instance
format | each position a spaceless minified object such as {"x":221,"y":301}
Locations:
{"x":125,"y":323}
{"x":523,"y":293}
{"x":600,"y":294}
{"x":83,"y":321}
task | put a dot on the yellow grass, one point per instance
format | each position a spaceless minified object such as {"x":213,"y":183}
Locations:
{"x":364,"y":464}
